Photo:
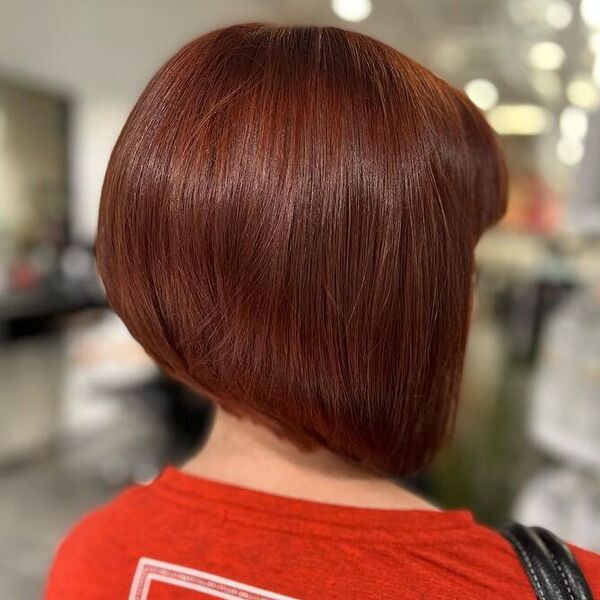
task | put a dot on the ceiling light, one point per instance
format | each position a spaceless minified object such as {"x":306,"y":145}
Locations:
{"x":547,"y":84}
{"x":482,"y":93}
{"x":594,"y":42}
{"x":352,"y":10}
{"x":582,"y":92}
{"x":449,"y":55}
{"x":559,"y":14}
{"x":547,"y":56}
{"x":521,"y":12}
{"x":596,"y":70}
{"x":3,"y":122}
{"x":519,"y":119}
{"x":573,"y":123}
{"x":569,"y":151}
{"x":590,"y":12}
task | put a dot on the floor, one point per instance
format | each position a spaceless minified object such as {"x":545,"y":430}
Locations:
{"x":102,"y":421}
{"x":42,"y":498}
{"x":39,"y":505}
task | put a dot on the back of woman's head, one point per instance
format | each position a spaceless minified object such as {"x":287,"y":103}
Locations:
{"x":287,"y":226}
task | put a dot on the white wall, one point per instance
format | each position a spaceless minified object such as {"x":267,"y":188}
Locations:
{"x":583,"y":208}
{"x":100,"y":55}
{"x":96,"y":123}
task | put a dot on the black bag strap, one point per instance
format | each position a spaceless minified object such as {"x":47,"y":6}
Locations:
{"x":548,"y":562}
{"x":565,"y":563}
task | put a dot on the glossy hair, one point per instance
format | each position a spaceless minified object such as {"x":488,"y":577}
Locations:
{"x":287,"y":226}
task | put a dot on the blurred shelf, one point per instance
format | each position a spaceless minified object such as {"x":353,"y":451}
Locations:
{"x":566,"y":446}
{"x":28,"y":312}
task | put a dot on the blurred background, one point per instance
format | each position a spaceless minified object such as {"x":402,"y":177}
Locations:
{"x":84,"y":412}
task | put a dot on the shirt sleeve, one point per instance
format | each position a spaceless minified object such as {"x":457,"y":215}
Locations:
{"x":590,"y":566}
{"x":84,"y":565}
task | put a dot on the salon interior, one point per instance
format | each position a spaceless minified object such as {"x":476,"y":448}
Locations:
{"x":85,"y":412}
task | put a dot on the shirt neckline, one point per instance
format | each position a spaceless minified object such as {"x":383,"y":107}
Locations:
{"x":276,"y":511}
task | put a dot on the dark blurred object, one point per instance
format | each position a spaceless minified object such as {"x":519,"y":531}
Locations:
{"x":42,"y":275}
{"x":69,"y":287}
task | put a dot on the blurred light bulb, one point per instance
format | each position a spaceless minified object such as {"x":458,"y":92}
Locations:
{"x":590,"y":12}
{"x":547,"y":56}
{"x":547,"y":84}
{"x":570,"y":151}
{"x":483,"y":93}
{"x":3,"y":123}
{"x":519,"y":119}
{"x":573,"y":123}
{"x":449,"y":55}
{"x":352,"y":10}
{"x":596,"y":70}
{"x":583,"y":93}
{"x":594,"y":42}
{"x":559,"y":14}
{"x":521,"y":12}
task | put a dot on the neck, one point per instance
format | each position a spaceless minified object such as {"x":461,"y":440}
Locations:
{"x":242,"y":453}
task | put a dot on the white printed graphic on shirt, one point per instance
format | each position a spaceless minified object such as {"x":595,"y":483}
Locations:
{"x":149,"y":570}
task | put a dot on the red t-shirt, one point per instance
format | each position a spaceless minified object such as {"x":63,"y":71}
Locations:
{"x":186,"y":538}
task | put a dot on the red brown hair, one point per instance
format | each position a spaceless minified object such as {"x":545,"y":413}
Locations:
{"x":287,"y":226}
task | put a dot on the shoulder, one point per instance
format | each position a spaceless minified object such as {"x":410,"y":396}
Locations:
{"x":590,"y":565}
{"x":95,"y":552}
{"x":488,"y":553}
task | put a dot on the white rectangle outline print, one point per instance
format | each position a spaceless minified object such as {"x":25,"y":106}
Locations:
{"x":149,"y":570}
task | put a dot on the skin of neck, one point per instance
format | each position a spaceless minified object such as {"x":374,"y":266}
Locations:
{"x":242,"y":453}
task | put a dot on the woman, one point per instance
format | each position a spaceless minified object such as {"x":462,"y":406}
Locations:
{"x":287,"y":226}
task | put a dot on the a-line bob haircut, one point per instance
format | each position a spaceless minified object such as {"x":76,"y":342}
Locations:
{"x":287,"y":226}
